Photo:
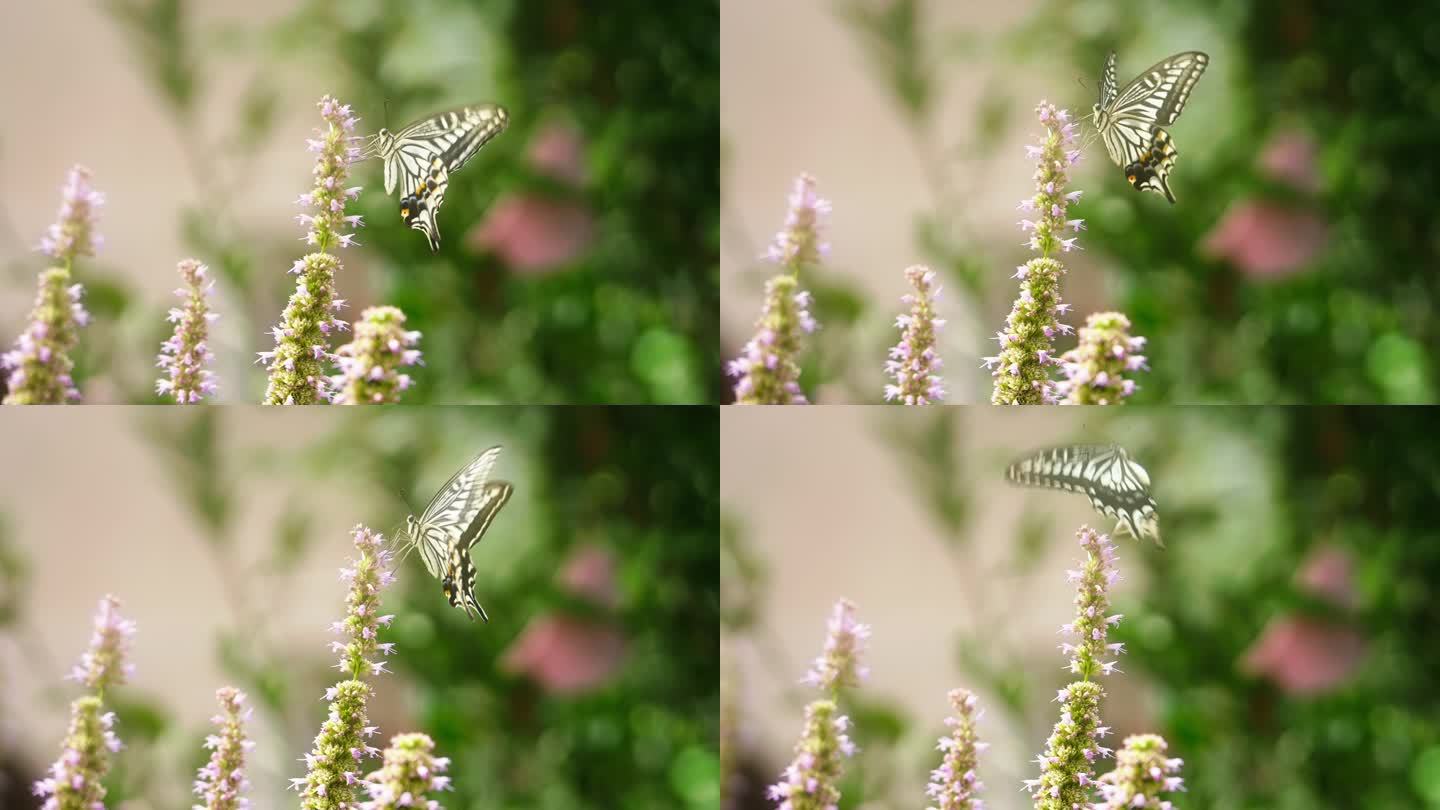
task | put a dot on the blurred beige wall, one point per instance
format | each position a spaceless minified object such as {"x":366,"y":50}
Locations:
{"x":826,"y":505}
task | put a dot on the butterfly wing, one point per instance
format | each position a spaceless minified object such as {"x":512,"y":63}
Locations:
{"x":1151,"y":169}
{"x":1153,"y":99}
{"x":419,"y":209}
{"x":1116,"y":486}
{"x":1108,"y":84}
{"x":459,"y":580}
{"x":446,"y":516}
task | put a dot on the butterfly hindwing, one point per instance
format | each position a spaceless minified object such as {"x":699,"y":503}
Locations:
{"x":1116,"y":486}
{"x":418,"y":210}
{"x":1151,"y":169}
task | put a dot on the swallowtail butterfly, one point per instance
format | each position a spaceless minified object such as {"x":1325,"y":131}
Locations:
{"x":421,"y":158}
{"x":453,"y":522}
{"x":1129,"y":120}
{"x":1116,"y":485}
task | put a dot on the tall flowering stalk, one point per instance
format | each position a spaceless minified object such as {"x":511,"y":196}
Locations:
{"x":955,"y":784}
{"x":221,"y":781}
{"x":370,"y":365}
{"x":1022,"y":369}
{"x":914,"y":363}
{"x":1095,"y":370}
{"x":1067,"y":775}
{"x":302,"y":339}
{"x":185,"y":355}
{"x":411,"y":770}
{"x":76,"y":778}
{"x":811,"y":781}
{"x":1142,"y":773}
{"x":334,"y":761}
{"x":767,"y":372}
{"x":38,"y":370}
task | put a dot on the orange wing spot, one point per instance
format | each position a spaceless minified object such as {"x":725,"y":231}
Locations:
{"x":405,"y":212}
{"x":1130,"y":177}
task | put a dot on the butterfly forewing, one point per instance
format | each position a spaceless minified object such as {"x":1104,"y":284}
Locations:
{"x":1116,"y":486}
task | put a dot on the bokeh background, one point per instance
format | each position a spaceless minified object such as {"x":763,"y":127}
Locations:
{"x":593,"y":686}
{"x":1296,"y":266}
{"x":1282,"y":641}
{"x":579,"y":255}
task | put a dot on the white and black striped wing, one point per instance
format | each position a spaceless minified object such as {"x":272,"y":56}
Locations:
{"x":1153,"y":99}
{"x":454,"y":137}
{"x":1109,"y":88}
{"x":1116,"y":485}
{"x":418,"y":210}
{"x":452,"y":509}
{"x":459,"y":580}
{"x":421,"y":158}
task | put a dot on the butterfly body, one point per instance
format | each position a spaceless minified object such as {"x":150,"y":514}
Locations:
{"x":453,"y":522}
{"x":1130,"y":120}
{"x":1116,"y":485}
{"x":420,"y":158}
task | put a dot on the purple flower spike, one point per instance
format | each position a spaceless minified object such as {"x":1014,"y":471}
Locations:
{"x":370,"y":365}
{"x":37,"y":371}
{"x":798,"y":245}
{"x":221,"y":782}
{"x":914,"y":362}
{"x":767,"y":371}
{"x":410,"y":772}
{"x":1097,"y":370}
{"x":186,"y":354}
{"x":1023,"y":369}
{"x":77,"y":777}
{"x":103,"y":664}
{"x":812,"y":780}
{"x":333,"y":776}
{"x":73,"y":233}
{"x":1142,"y":774}
{"x":297,"y":366}
{"x":955,"y":784}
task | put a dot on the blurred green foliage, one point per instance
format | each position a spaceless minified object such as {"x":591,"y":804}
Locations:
{"x":629,"y":317}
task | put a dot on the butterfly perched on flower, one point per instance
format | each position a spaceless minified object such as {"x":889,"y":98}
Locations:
{"x":1130,"y":120}
{"x":1117,"y":486}
{"x":453,"y":522}
{"x":421,"y":157}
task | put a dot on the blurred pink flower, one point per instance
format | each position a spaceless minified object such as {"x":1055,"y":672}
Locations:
{"x":558,"y":152}
{"x":533,"y":233}
{"x":1304,"y":656}
{"x":566,"y":655}
{"x":1328,"y":571}
{"x":1290,"y":157}
{"x":590,"y":572}
{"x":1264,"y":239}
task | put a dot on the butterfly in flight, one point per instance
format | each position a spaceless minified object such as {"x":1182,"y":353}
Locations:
{"x":453,"y":522}
{"x":1130,"y":120}
{"x":421,"y":157}
{"x":1117,"y":486}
